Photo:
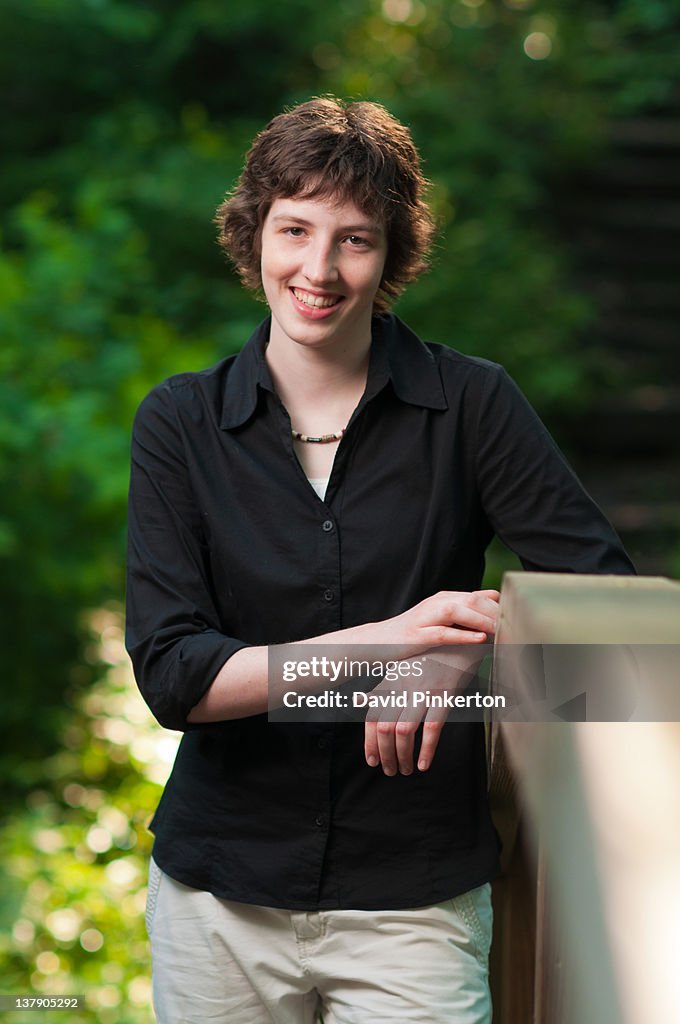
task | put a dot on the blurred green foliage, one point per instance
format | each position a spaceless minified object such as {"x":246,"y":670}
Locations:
{"x":73,"y":865}
{"x":128,"y":123}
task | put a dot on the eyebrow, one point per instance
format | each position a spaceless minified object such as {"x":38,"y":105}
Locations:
{"x":365,"y":228}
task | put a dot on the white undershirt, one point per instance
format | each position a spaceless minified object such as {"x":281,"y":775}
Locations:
{"x":319,"y":483}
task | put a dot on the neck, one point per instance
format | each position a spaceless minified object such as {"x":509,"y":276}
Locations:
{"x":306,"y":376}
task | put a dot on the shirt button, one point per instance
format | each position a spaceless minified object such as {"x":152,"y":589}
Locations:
{"x":327,"y":525}
{"x":328,"y":595}
{"x":319,"y":821}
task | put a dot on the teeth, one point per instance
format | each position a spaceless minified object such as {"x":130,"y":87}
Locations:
{"x":316,"y":301}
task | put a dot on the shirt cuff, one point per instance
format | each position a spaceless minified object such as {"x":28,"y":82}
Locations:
{"x":174,"y":682}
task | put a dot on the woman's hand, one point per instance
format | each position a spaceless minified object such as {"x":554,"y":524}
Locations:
{"x":449,"y":616}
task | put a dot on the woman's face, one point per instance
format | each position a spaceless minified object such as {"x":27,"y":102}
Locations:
{"x":322,"y":263}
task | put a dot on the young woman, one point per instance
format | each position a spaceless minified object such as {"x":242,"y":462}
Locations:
{"x":336,"y":482}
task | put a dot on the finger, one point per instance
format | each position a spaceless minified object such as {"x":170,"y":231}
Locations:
{"x":432,"y":730}
{"x":386,"y":747}
{"x":404,"y":739}
{"x":435,"y":636}
{"x":480,"y":614}
{"x":460,"y":607}
{"x":489,"y":603}
{"x":371,"y":752}
{"x":467,"y":598}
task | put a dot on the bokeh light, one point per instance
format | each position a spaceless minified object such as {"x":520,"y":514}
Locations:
{"x":538,"y":45}
{"x":91,"y":940}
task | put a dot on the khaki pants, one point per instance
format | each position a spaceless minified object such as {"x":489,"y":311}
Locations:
{"x":220,"y":962}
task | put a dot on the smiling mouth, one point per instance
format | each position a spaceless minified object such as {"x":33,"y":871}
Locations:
{"x":316,"y":301}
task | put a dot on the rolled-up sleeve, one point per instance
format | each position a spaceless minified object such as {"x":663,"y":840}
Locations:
{"x":173,"y":632}
{"x":532,"y":498}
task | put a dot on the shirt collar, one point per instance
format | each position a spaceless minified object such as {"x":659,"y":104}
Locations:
{"x":412,"y":367}
{"x":248,"y":372}
{"x":397,"y":355}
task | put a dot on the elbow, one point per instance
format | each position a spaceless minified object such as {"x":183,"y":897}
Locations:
{"x":169,"y":713}
{"x":157,"y":683}
{"x":170,"y":718}
{"x":174,"y":671}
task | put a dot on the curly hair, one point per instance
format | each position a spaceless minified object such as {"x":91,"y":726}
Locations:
{"x":352,"y":151}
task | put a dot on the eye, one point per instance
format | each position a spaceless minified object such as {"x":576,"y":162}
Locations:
{"x":294,"y":231}
{"x":357,"y":241}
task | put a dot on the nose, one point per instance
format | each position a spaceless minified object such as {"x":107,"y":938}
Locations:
{"x":320,"y":264}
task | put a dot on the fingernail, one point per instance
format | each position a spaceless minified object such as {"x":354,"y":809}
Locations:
{"x":422,"y":766}
{"x":372,"y":761}
{"x":406,"y":771}
{"x":389,"y":771}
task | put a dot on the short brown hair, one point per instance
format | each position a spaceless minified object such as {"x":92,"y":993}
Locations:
{"x":356,"y":151}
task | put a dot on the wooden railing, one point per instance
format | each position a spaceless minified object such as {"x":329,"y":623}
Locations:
{"x":588,"y":908}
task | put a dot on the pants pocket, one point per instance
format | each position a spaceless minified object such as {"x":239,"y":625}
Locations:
{"x":474,"y":910}
{"x":155,"y":876}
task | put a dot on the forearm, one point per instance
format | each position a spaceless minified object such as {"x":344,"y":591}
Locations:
{"x":241,"y":687}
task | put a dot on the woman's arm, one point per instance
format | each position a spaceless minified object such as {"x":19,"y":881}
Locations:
{"x":241,"y":688}
{"x":530,"y":495}
{"x":174,"y":633}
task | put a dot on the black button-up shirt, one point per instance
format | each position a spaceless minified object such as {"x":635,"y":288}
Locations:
{"x":231,"y":546}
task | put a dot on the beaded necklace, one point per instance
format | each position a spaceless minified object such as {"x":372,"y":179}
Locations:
{"x":323,"y":439}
